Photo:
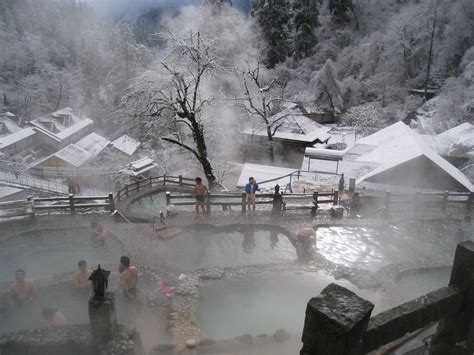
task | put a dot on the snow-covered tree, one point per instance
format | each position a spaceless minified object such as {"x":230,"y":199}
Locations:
{"x":274,"y":18}
{"x":340,"y":10}
{"x":326,"y":87}
{"x":305,"y":23}
{"x":172,"y":97}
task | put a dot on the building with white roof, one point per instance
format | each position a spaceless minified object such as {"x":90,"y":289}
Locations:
{"x":456,"y":142}
{"x":126,"y":144}
{"x":296,"y":128}
{"x":77,"y":154}
{"x":17,"y":141}
{"x":62,"y":127}
{"x":403,"y":158}
{"x":139,"y":167}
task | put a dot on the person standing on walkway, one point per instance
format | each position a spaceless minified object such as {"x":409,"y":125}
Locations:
{"x":200,"y":192}
{"x":250,"y":190}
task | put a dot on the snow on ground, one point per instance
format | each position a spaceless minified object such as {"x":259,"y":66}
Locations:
{"x":426,"y":116}
{"x":263,"y":173}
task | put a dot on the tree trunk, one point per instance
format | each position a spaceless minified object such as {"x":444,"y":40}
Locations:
{"x":271,"y":151}
{"x":198,"y":136}
{"x":430,"y":53}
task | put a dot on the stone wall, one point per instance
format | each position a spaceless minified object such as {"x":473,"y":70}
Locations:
{"x":68,"y":339}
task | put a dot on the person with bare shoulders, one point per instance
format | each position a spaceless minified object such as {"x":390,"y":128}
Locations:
{"x":81,"y":278}
{"x":22,"y":290}
{"x":128,"y":277}
{"x":53,"y":316}
{"x":200,"y":192}
{"x":98,"y":234}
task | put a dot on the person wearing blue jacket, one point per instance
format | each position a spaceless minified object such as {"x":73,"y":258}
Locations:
{"x":250,"y":190}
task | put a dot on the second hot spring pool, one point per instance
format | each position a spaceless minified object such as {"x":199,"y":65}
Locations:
{"x":263,"y":303}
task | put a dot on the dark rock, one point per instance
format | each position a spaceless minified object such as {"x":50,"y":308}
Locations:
{"x":207,"y":342}
{"x":163,"y":348}
{"x":245,"y":338}
{"x":281,"y":335}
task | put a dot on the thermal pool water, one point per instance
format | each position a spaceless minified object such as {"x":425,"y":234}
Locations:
{"x":260,"y":304}
{"x":45,"y":253}
{"x":205,"y":249}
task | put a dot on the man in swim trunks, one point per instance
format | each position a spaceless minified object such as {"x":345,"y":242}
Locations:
{"x":22,"y":290}
{"x":81,"y":278}
{"x":128,"y":277}
{"x":200,"y":192}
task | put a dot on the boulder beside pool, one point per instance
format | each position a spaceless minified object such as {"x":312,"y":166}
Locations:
{"x":168,"y":233}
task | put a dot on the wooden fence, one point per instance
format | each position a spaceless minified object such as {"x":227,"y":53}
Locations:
{"x":153,"y":181}
{"x":69,"y":204}
{"x":279,"y":201}
{"x":428,"y":199}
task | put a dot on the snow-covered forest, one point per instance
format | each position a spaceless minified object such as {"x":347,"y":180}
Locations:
{"x":187,"y":76}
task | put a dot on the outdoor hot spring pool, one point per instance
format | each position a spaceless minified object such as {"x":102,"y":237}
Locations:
{"x":149,"y":206}
{"x":354,"y":247}
{"x":372,"y":248}
{"x":44,"y":253}
{"x":261,"y":304}
{"x":202,"y":249}
{"x":73,"y":304}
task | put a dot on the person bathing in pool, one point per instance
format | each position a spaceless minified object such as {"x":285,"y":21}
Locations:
{"x":81,"y":278}
{"x":128,"y":278}
{"x":22,"y":290}
{"x":98,"y":234}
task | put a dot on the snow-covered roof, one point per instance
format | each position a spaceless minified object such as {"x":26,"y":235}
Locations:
{"x":457,"y":141}
{"x":324,"y":154}
{"x":76,"y":127}
{"x":73,"y":155}
{"x":126,"y":144}
{"x":296,"y":127}
{"x":6,"y":191}
{"x":394,"y":131}
{"x":262,"y":173}
{"x":93,"y":143}
{"x":16,"y":137}
{"x":79,"y":153}
{"x":9,"y":125}
{"x":397,"y":145}
{"x":140,"y":166}
{"x":62,"y":124}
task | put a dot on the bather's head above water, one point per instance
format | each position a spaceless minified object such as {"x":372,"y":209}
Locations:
{"x":20,"y":276}
{"x":82,"y":265}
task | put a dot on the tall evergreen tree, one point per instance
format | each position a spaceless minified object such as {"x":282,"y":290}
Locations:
{"x":274,"y":17}
{"x":340,"y":10}
{"x":305,"y":23}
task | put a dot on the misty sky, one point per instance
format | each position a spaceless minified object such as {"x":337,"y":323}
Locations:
{"x":122,"y":7}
